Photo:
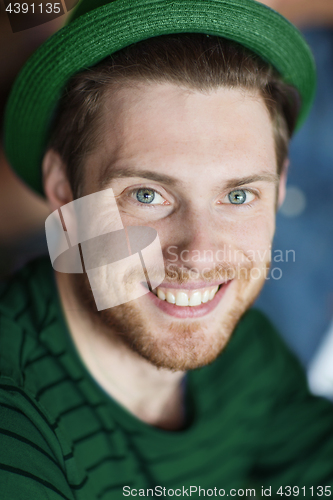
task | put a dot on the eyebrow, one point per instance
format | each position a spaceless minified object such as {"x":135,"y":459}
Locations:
{"x":111,"y":174}
{"x":127,"y":172}
{"x":263,"y":177}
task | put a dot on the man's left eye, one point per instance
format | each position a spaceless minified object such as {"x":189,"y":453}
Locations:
{"x":240,"y":197}
{"x":148,"y":196}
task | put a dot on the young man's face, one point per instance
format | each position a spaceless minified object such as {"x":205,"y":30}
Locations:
{"x":201,"y":169}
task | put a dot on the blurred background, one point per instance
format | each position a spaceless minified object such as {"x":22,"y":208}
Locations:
{"x":300,"y":303}
{"x":22,"y":213}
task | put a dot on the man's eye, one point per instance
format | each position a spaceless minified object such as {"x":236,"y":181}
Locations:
{"x":240,"y":196}
{"x":148,"y":196}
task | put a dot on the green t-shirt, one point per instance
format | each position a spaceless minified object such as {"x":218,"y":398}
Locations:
{"x":251,"y":421}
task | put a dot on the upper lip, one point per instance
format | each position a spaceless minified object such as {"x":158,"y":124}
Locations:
{"x":191,"y":285}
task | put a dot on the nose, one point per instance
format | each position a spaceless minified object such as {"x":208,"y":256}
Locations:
{"x":195,"y":243}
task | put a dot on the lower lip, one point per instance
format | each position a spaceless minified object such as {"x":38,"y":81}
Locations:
{"x":189,"y":311}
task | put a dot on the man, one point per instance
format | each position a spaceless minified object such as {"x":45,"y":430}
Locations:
{"x":183,"y":132}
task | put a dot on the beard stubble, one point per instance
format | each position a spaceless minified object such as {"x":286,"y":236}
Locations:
{"x":184,"y":346}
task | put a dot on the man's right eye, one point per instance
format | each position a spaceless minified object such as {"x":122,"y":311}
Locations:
{"x":148,"y":196}
{"x":240,"y":196}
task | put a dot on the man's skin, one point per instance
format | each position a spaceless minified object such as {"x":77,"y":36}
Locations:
{"x":208,"y":144}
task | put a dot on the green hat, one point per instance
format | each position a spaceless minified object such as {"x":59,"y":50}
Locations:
{"x":99,"y":28}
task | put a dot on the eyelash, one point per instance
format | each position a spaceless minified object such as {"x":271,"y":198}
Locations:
{"x":244,"y":205}
{"x":133,"y":192}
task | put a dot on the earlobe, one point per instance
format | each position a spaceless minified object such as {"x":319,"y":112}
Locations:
{"x":56,"y":184}
{"x":282,"y":183}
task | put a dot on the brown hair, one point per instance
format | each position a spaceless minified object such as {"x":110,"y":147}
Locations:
{"x":196,"y":61}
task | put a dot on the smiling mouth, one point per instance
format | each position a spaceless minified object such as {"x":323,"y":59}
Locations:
{"x":183,"y":297}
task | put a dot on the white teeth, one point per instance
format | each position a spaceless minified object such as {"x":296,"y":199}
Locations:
{"x":186,"y":297}
{"x":170,"y":298}
{"x":160,"y":294}
{"x":181,"y":299}
{"x":195,"y":299}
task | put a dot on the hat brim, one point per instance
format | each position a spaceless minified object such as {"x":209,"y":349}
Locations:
{"x":92,"y":36}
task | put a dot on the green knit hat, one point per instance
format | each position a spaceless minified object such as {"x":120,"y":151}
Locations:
{"x":99,"y":28}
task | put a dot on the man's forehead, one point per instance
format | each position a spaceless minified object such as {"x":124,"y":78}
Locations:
{"x":162,"y":127}
{"x":152,"y":106}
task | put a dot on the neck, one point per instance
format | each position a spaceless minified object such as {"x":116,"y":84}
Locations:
{"x":152,"y":394}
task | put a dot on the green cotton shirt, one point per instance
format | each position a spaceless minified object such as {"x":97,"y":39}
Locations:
{"x":251,"y":422}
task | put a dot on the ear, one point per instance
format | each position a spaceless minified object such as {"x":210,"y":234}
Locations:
{"x":56,"y":185}
{"x":282,"y":183}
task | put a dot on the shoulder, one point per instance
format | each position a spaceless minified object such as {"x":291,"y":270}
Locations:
{"x":29,"y":338}
{"x":256,"y":358}
{"x":255,"y":336}
{"x":24,"y":295}
{"x":26,"y":309}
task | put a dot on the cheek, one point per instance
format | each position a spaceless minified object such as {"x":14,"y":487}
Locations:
{"x":253,"y":235}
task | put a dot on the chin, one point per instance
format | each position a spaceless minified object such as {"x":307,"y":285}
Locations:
{"x":178,"y":344}
{"x":169,"y":342}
